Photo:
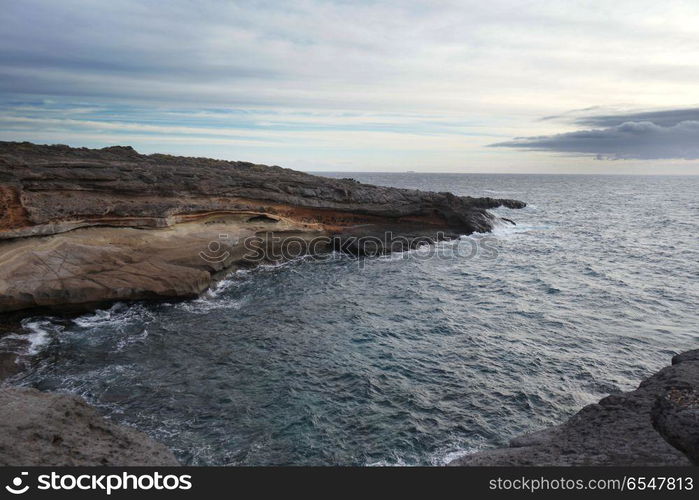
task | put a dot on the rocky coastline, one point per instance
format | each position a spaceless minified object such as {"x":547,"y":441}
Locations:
{"x":83,"y":227}
{"x":655,"y":425}
{"x":80,"y":228}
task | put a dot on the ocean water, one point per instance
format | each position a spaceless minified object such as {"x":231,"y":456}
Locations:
{"x":414,"y":358}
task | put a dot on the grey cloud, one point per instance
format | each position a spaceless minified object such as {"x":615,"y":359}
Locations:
{"x":289,"y":53}
{"x":628,"y":140}
{"x":665,"y":118}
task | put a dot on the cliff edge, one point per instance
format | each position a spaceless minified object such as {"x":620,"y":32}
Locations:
{"x":81,"y":227}
{"x":656,"y":424}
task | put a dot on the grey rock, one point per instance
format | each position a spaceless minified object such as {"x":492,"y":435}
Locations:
{"x":619,"y":430}
{"x":39,"y":428}
{"x":675,"y":416}
{"x":692,"y":355}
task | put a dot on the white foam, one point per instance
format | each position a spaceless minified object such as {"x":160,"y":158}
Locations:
{"x":205,"y":304}
{"x":214,"y":298}
{"x":385,"y":463}
{"x":125,"y":342}
{"x":505,"y":229}
{"x":422,"y":249}
{"x":37,"y":336}
{"x":118,"y":315}
{"x":445,"y":457}
{"x":219,"y":288}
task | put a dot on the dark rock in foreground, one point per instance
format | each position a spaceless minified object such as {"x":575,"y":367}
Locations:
{"x":619,"y":430}
{"x":675,"y":415}
{"x":38,"y":428}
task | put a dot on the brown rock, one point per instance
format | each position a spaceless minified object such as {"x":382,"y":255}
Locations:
{"x":51,"y":189}
{"x":80,"y":227}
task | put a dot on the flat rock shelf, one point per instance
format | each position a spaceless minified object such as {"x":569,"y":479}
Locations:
{"x":656,"y":424}
{"x":82,"y":227}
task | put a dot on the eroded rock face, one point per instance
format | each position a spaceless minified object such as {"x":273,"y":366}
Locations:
{"x":81,"y":227}
{"x":619,"y":430}
{"x":39,"y":428}
{"x":49,"y":189}
{"x":92,"y":266}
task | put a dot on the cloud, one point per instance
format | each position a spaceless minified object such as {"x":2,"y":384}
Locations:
{"x":664,"y":118}
{"x":459,"y":57}
{"x":651,"y":135}
{"x":336,"y":78}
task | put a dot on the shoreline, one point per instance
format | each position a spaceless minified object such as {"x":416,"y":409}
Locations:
{"x":86,"y":228}
{"x":81,"y":227}
{"x":653,"y":425}
{"x":656,"y":424}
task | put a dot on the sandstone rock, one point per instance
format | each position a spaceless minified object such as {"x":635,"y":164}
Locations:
{"x":88,"y":267}
{"x":80,"y":227}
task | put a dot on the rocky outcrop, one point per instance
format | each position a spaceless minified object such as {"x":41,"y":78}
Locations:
{"x":620,"y":429}
{"x":675,"y":414}
{"x":80,"y":227}
{"x":38,"y":428}
{"x":89,"y":267}
{"x":50,"y":189}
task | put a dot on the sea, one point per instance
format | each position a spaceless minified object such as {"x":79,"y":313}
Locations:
{"x":413,"y":358}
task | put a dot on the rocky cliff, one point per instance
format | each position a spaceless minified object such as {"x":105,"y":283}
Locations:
{"x":656,"y":424}
{"x":80,"y":227}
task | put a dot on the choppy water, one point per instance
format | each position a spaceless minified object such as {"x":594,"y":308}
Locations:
{"x":404,"y":360}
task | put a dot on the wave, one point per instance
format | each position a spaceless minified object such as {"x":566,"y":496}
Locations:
{"x":127,"y":341}
{"x":504,"y":229}
{"x":439,"y":458}
{"x":386,"y":463}
{"x":38,"y":334}
{"x":119,"y":315}
{"x":215,"y":297}
{"x":445,"y":457}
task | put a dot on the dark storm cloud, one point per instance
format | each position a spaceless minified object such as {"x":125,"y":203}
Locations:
{"x":668,"y":134}
{"x":597,"y":116}
{"x":665,"y":118}
{"x":630,"y":140}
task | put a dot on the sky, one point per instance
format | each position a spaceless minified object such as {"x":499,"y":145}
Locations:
{"x":462,"y":86}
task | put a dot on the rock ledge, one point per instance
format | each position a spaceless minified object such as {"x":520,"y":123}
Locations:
{"x":620,"y":429}
{"x":45,"y":429}
{"x":83,"y":227}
